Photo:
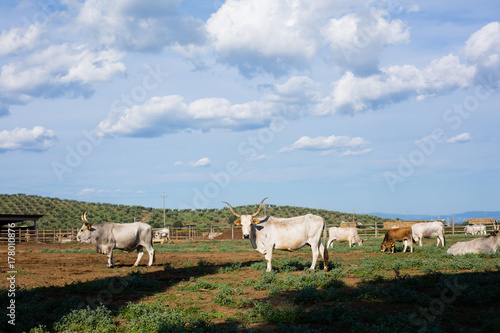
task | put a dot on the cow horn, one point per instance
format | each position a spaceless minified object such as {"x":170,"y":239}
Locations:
{"x":231,"y":209}
{"x":84,"y":217}
{"x":260,"y":207}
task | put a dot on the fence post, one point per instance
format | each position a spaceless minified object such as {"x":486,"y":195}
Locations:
{"x":232,"y":232}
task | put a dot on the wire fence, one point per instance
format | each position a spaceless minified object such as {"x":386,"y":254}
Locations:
{"x":60,"y":235}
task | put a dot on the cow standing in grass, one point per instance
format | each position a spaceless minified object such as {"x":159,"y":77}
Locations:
{"x":397,"y":235}
{"x":344,"y":235}
{"x":287,"y":234}
{"x":109,"y":236}
{"x":428,"y":230}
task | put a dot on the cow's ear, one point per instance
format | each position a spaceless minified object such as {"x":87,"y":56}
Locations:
{"x":237,"y":222}
{"x":255,"y":221}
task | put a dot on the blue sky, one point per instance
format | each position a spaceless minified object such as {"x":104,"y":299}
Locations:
{"x":368,"y":106}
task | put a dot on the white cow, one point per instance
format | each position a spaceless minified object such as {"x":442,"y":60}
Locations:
{"x":428,"y":230}
{"x":344,"y":235}
{"x":163,"y":233}
{"x":283,"y":234}
{"x":475,"y":229}
{"x":488,"y":244}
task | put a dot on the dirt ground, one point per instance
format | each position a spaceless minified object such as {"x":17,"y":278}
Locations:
{"x":37,"y":269}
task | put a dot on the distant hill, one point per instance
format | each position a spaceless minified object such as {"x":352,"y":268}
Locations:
{"x":61,"y":213}
{"x":460,"y":217}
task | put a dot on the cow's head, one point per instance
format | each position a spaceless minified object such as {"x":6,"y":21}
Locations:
{"x":85,"y":231}
{"x":386,"y":246}
{"x":246,"y":220}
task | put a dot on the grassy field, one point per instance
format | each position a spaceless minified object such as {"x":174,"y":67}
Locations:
{"x":364,"y":291}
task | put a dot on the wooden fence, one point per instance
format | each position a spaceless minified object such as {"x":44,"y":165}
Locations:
{"x":60,"y":235}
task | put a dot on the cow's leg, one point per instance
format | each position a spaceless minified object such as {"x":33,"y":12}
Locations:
{"x":151,"y":252}
{"x":111,"y":262}
{"x":269,"y":256}
{"x":411,"y":245}
{"x":420,"y":241}
{"x":140,"y":253}
{"x":315,"y":253}
{"x":324,"y":253}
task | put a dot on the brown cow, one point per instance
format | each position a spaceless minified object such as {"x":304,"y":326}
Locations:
{"x":397,"y":235}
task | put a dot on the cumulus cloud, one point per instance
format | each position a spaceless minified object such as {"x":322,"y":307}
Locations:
{"x":483,"y":50}
{"x":356,"y":40}
{"x":265,"y":35}
{"x":298,"y":90}
{"x":353,"y":94}
{"x":202,"y":162}
{"x":460,"y":138}
{"x":59,"y":70}
{"x":170,"y":114}
{"x":331,"y":145}
{"x":140,"y":25}
{"x":19,"y":39}
{"x":36,"y":139}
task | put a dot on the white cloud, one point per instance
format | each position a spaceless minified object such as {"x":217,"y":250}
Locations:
{"x":298,"y":90}
{"x":396,"y":83}
{"x":202,"y":162}
{"x":96,"y":192}
{"x":483,"y":49}
{"x":331,"y":145}
{"x":19,"y":39}
{"x":36,"y":139}
{"x":169,"y":114}
{"x":460,"y":138}
{"x":266,"y":35}
{"x":59,"y":70}
{"x":356,"y":40}
{"x":350,"y":152}
{"x":140,"y":25}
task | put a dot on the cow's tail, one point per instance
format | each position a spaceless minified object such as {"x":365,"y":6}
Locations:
{"x":325,"y":250}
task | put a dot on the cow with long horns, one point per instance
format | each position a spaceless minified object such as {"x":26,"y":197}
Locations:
{"x":109,"y":236}
{"x":287,"y":234}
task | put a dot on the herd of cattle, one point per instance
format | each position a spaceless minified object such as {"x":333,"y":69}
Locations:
{"x":288,"y":234}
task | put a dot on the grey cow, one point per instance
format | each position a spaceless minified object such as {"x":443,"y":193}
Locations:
{"x":488,"y":244}
{"x":109,"y":236}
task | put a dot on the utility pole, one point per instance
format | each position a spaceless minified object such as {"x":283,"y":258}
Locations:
{"x":164,"y":218}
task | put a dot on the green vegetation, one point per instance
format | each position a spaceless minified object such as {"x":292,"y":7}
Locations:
{"x":60,"y":213}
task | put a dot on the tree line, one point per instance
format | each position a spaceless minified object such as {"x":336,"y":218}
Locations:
{"x":63,"y":213}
